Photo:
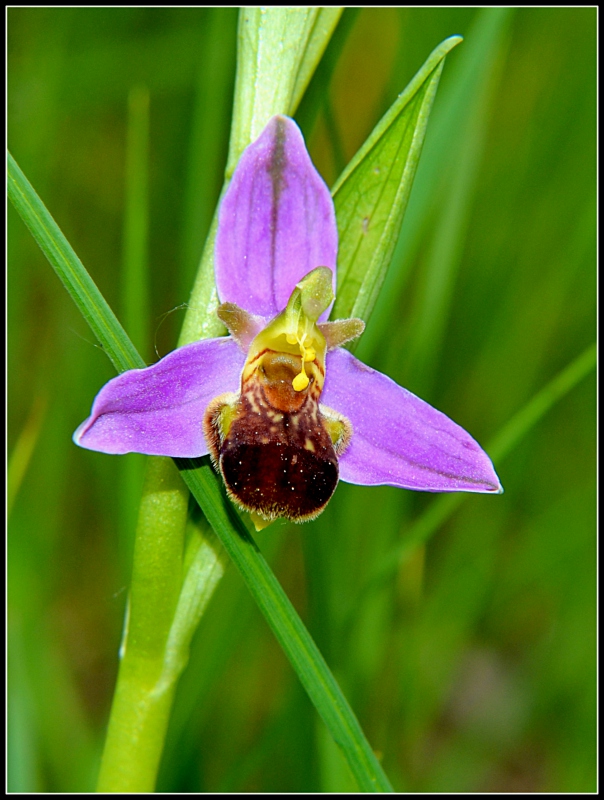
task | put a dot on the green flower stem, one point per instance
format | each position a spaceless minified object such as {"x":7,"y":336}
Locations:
{"x":139,"y":719}
{"x":164,"y":610}
{"x":143,"y":696}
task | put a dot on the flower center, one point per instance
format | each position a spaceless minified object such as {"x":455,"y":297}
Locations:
{"x":295,"y":331}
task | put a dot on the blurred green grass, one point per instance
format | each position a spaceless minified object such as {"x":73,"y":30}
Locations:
{"x":472,"y":667}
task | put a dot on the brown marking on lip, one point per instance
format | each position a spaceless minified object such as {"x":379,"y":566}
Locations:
{"x":275,"y":464}
{"x":275,"y":376}
{"x":257,"y":356}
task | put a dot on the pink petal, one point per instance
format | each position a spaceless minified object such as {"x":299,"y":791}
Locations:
{"x":398,"y":439}
{"x":159,"y":410}
{"x":276,"y":223}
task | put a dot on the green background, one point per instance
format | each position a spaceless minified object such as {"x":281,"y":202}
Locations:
{"x":471,"y":661}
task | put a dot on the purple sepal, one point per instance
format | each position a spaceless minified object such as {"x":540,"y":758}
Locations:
{"x":398,"y":439}
{"x":276,"y":223}
{"x":159,"y":410}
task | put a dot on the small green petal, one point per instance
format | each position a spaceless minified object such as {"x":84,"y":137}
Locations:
{"x":316,"y":292}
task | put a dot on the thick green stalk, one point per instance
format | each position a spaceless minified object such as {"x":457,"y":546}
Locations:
{"x":143,"y":696}
{"x":171,"y":587}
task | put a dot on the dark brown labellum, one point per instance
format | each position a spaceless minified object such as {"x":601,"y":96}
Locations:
{"x":274,"y":447}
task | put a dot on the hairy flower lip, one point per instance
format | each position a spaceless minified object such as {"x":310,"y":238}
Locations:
{"x":277,"y":224}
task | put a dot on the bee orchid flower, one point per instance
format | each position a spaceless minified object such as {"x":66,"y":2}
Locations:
{"x":283,"y":410}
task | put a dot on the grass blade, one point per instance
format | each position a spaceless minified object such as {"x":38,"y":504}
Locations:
{"x":370,"y":206}
{"x":82,"y":289}
{"x":472,"y":67}
{"x":432,"y":310}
